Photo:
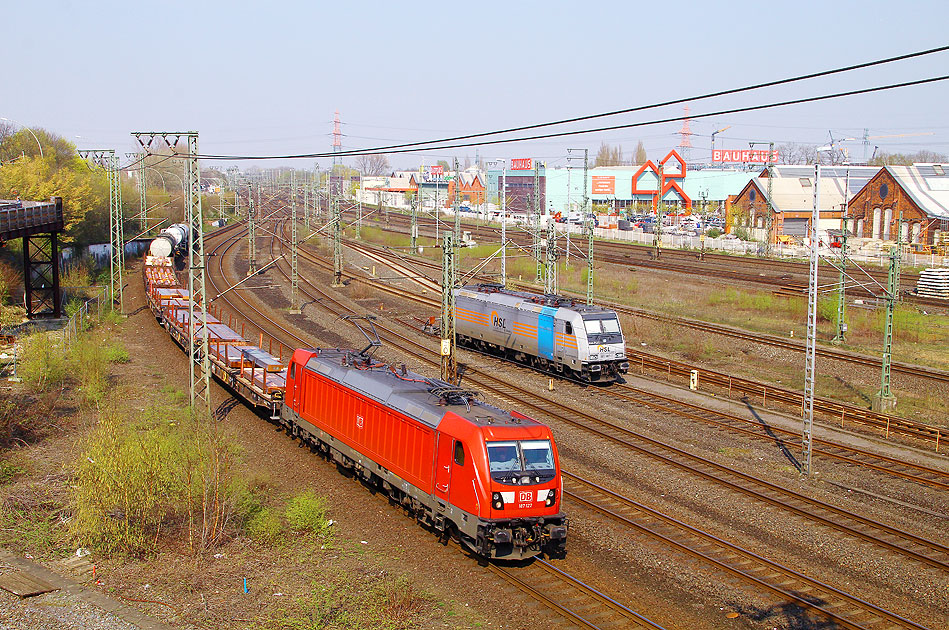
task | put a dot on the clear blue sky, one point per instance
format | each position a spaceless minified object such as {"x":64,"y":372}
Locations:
{"x":266,"y":77}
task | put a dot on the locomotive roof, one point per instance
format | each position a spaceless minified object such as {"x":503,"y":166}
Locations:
{"x":425,"y":399}
{"x":511,"y":297}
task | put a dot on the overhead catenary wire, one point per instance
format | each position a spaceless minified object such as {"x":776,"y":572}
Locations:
{"x":561,"y":134}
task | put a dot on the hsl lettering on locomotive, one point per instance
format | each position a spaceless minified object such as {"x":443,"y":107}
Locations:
{"x":496,"y":321}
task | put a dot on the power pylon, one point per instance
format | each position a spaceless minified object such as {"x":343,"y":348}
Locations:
{"x":448,"y":365}
{"x":252,"y":230}
{"x":197,"y":303}
{"x":550,"y":286}
{"x":840,"y":337}
{"x":657,"y":225}
{"x":294,"y":271}
{"x":413,"y":229}
{"x":535,"y":224}
{"x":586,"y":168}
{"x":456,"y":205}
{"x":107,"y":160}
{"x":337,"y":242}
{"x":884,"y":400}
{"x":769,"y":216}
{"x":810,"y":353}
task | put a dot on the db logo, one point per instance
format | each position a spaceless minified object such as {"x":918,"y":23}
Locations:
{"x":359,"y":422}
{"x":525,"y":495}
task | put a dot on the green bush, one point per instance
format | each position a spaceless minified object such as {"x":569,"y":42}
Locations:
{"x":42,"y":364}
{"x":265,"y":525}
{"x":117,"y":353}
{"x":89,"y":364}
{"x":137,"y":476}
{"x":306,"y":513}
{"x":713,"y":233}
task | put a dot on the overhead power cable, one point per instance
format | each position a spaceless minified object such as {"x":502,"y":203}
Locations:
{"x":414,"y":148}
{"x":758,"y":86}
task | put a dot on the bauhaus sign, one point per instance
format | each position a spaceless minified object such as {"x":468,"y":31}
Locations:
{"x":745,"y":155}
{"x":522,"y":164}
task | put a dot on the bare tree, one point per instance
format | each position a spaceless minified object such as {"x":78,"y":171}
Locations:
{"x":640,"y":156}
{"x":373,"y":164}
{"x":608,"y":156}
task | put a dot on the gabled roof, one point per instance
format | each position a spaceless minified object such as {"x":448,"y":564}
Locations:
{"x":927,"y":185}
{"x":796,"y":194}
{"x":468,"y":179}
{"x":859,"y":175}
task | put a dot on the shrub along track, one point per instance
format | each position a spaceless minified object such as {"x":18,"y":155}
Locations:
{"x":571,"y":598}
{"x":903,"y":543}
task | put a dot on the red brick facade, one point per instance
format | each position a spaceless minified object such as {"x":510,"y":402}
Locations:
{"x":875,"y":212}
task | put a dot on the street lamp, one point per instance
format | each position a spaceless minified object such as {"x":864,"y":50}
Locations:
{"x":28,"y":129}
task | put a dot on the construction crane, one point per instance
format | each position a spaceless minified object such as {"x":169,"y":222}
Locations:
{"x":832,"y":146}
{"x":867,"y":138}
{"x":715,"y":133}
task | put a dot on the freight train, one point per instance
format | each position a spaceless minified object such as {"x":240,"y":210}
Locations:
{"x":487,"y":477}
{"x":549,"y":332}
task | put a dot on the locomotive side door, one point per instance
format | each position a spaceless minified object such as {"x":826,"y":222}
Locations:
{"x":443,"y":455}
{"x":545,"y":332}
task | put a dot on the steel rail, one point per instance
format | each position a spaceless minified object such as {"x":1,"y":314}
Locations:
{"x":926,"y":551}
{"x":600,"y":602}
{"x":890,"y":465}
{"x":884,"y":422}
{"x":748,"y":565}
{"x":422,"y":355}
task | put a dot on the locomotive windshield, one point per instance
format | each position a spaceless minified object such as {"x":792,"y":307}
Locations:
{"x":603,"y":329}
{"x":510,"y":460}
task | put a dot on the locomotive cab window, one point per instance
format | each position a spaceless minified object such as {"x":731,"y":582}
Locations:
{"x":526,"y":461}
{"x":459,"y":453}
{"x":292,"y":369}
{"x":504,"y":456}
{"x":568,"y":328}
{"x":603,"y":330}
{"x":537,"y":455}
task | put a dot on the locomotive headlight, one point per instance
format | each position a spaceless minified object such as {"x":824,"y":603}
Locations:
{"x":497,"y":501}
{"x":551,"y":497}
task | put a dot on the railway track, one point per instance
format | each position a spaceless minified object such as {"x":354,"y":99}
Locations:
{"x":888,"y":537}
{"x":737,"y":563}
{"x":917,"y":371}
{"x":924,"y":475}
{"x":579,"y":603}
{"x":839,"y":411}
{"x":784,"y":275}
{"x":576,"y":601}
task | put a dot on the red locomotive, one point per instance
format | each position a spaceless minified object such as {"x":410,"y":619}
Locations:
{"x":464,"y":467}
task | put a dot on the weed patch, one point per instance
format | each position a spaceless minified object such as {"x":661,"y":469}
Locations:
{"x":368,"y":602}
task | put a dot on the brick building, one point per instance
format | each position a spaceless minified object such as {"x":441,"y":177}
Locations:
{"x":920,"y":192}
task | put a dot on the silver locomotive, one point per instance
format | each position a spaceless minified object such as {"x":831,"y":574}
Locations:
{"x":549,"y":332}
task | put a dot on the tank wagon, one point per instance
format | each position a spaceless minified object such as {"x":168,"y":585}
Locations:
{"x":170,"y":241}
{"x":550,"y":332}
{"x":462,"y":467}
